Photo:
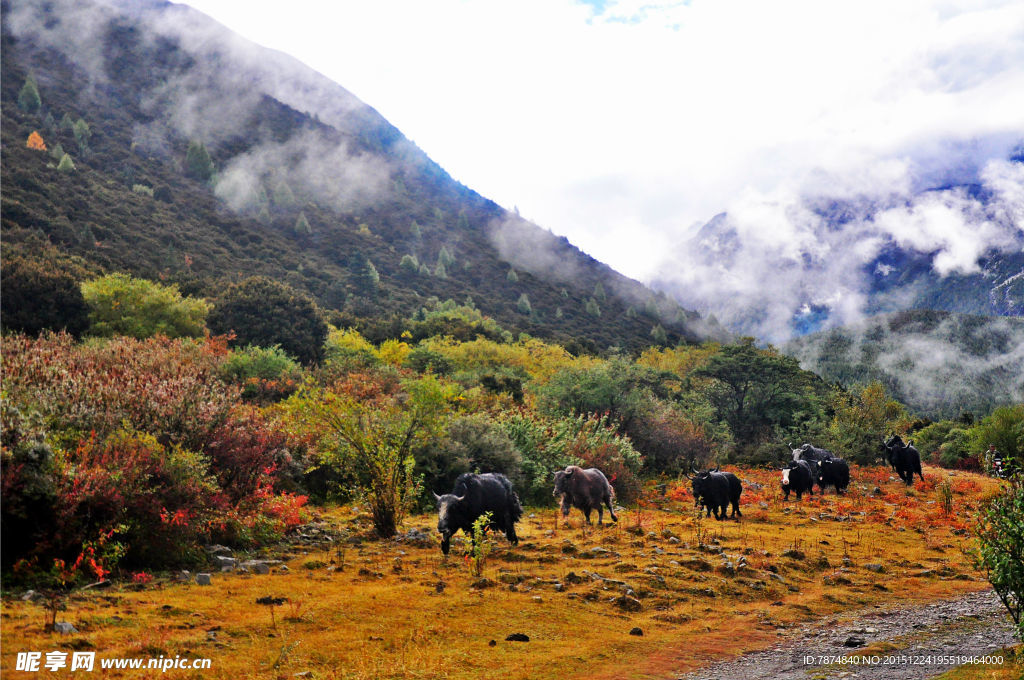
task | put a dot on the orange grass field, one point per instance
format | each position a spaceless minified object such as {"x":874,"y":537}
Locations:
{"x":397,"y":609}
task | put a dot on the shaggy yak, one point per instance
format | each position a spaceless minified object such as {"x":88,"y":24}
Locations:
{"x":904,"y":458}
{"x":473,"y":496}
{"x":584,"y":489}
{"x":715,"y":490}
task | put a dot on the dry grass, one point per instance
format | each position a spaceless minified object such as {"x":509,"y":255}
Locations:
{"x":384,"y":615}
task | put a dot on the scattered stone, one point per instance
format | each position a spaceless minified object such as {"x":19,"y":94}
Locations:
{"x":303,"y":674}
{"x":31,"y":596}
{"x":673,"y":540}
{"x":441,"y":585}
{"x":636,"y":631}
{"x":64,"y":627}
{"x":482,"y":583}
{"x":877,"y":568}
{"x":223,"y":561}
{"x":492,"y":643}
{"x":518,"y":637}
{"x":573,"y":577}
{"x":854,"y":641}
{"x":794,"y":554}
{"x":202,"y":579}
{"x":537,"y":598}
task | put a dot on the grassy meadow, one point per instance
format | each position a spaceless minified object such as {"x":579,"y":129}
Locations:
{"x":359,"y":607}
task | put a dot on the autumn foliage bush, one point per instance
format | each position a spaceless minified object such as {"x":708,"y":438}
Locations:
{"x":135,"y":446}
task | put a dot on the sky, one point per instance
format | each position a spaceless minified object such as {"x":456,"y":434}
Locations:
{"x":626,"y":123}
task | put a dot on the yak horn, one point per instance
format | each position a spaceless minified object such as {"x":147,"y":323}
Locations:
{"x":436,"y":497}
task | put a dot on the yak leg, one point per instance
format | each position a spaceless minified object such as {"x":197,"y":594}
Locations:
{"x":600,"y":515}
{"x":736,"y":509}
{"x":611,"y":511}
{"x":586,"y":513}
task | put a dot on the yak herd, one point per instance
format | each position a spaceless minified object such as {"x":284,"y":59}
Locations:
{"x":588,"y":489}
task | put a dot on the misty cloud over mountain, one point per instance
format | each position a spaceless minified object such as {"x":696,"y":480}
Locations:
{"x":834,"y":249}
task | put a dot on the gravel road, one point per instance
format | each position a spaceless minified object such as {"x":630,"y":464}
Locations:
{"x":974,"y":624}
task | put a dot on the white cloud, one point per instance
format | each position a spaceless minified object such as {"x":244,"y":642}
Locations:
{"x":681,"y":109}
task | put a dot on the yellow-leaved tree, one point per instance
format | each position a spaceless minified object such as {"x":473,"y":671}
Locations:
{"x":35,"y":141}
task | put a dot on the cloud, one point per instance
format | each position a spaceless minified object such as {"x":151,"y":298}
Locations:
{"x":781,"y":255}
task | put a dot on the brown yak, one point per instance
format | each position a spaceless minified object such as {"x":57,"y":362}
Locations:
{"x":584,"y":489}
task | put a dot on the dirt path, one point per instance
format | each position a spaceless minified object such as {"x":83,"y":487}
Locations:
{"x":894,"y":641}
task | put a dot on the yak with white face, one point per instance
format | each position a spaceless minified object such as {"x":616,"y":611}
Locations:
{"x":798,"y":477}
{"x":473,"y":496}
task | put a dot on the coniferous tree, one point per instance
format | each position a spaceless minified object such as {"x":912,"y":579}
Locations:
{"x":82,"y":134}
{"x":28,"y":97}
{"x":302,"y":225}
{"x":592,"y":308}
{"x":66,"y":164}
{"x":512,"y":276}
{"x":198,"y":164}
{"x":523,"y":305}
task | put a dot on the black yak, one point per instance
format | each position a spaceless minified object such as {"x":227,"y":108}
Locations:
{"x":584,"y":489}
{"x":834,"y":472}
{"x":904,"y":458}
{"x":798,"y":477}
{"x":715,"y":490}
{"x":473,"y":496}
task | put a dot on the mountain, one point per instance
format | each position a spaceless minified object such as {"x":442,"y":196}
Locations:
{"x":941,"y":364}
{"x":200,"y":158}
{"x":841,"y":248}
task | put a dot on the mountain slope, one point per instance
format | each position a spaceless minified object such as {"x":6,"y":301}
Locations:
{"x":311,"y":186}
{"x":940,"y":364}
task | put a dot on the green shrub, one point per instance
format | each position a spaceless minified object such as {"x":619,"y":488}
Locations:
{"x":142,"y":189}
{"x":523,"y":305}
{"x":549,"y":444}
{"x":1000,"y":535}
{"x":37,"y":296}
{"x":122,"y":305}
{"x":264,"y":312}
{"x":472,"y":443}
{"x":264,"y":373}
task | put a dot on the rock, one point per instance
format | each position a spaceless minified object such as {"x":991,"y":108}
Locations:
{"x":673,"y":540}
{"x":626,"y":603}
{"x":184,"y":576}
{"x":284,"y":569}
{"x":877,"y":568}
{"x":482,"y":583}
{"x":559,"y":587}
{"x":573,"y":577}
{"x":258,"y":568}
{"x":877,"y":490}
{"x":215,"y":549}
{"x":518,"y":637}
{"x":31,"y":596}
{"x":441,"y":585}
{"x":224,"y":561}
{"x":537,"y":598}
{"x":202,"y":579}
{"x":854,"y":641}
{"x":303,"y":674}
{"x":793,"y":554}
{"x":776,"y":577}
{"x":64,"y":627}
{"x":636,"y":631}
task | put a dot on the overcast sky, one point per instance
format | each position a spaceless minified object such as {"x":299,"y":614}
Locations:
{"x":621,"y":124}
